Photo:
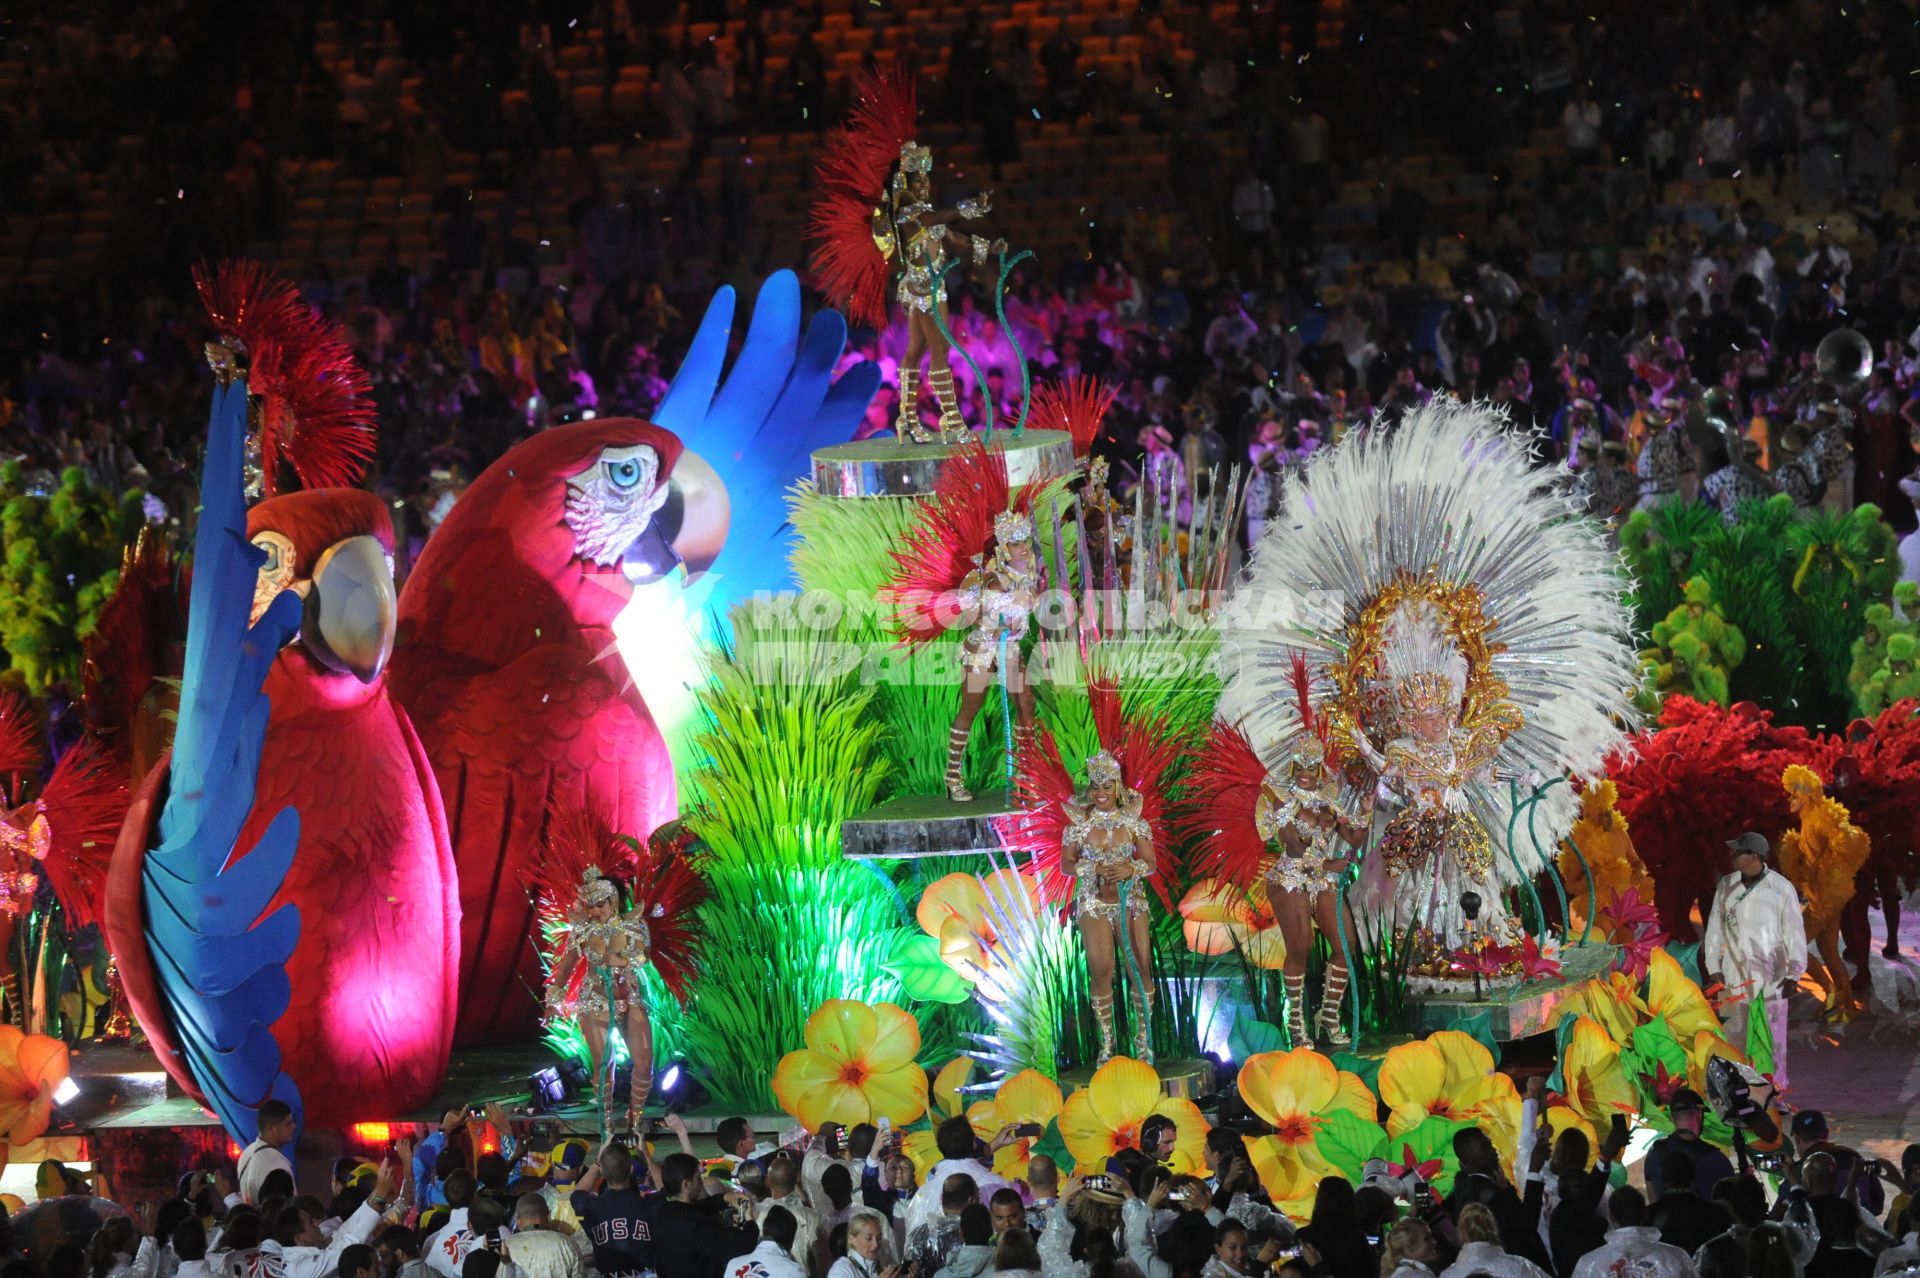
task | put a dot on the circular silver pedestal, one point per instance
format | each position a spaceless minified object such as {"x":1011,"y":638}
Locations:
{"x":889,"y":467}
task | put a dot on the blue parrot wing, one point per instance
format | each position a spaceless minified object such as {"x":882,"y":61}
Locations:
{"x":221,"y":965}
{"x":778,"y":404}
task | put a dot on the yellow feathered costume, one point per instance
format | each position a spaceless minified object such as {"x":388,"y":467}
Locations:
{"x":1821,"y":859}
{"x":1603,"y":840}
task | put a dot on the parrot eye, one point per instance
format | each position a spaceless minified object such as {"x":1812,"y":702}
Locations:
{"x":623,"y":473}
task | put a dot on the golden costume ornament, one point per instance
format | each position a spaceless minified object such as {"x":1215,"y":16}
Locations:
{"x":1821,"y":859}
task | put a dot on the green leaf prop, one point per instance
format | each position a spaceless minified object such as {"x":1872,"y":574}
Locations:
{"x":1431,"y":1141}
{"x":923,"y":974}
{"x":1367,"y":1067}
{"x":1759,"y":1037}
{"x":1249,"y":1037}
{"x":1054,"y":1146}
{"x":1346,"y":1141}
{"x":1478,"y":1025}
{"x":1557,"y":1081}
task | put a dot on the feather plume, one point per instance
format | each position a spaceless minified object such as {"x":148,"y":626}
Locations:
{"x":85,"y":802}
{"x":1216,"y":813}
{"x":1303,"y":697}
{"x":1042,"y":787}
{"x":851,"y":180}
{"x":1452,"y":491}
{"x":20,"y":750}
{"x":249,"y":302}
{"x":315,"y":412}
{"x":1077,"y":406}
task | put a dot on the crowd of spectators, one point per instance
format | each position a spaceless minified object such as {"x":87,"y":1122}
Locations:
{"x":1590,"y":218}
{"x":478,"y":1198}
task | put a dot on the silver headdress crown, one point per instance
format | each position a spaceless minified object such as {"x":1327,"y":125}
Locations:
{"x":596,"y":887}
{"x":1011,"y":526}
{"x":915,"y":158}
{"x":1103,"y":769}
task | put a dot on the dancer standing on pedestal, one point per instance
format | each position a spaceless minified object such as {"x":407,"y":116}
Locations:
{"x":874,"y":210}
{"x":970,"y":562}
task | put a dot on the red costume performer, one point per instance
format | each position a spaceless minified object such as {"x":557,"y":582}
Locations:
{"x":1704,"y":776}
{"x":875,"y":211}
{"x":506,"y":661}
{"x":1875,"y":771}
{"x":373,"y":975}
{"x":1095,"y":850}
{"x":971,"y":561}
{"x":597,"y":946}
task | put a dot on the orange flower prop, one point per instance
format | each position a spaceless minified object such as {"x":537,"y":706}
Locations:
{"x":958,"y":911}
{"x":1105,"y":1117}
{"x":1219,"y":918}
{"x":857,"y":1066}
{"x":31,"y":1066}
{"x":1026,"y":1097}
{"x":1446,"y":1075}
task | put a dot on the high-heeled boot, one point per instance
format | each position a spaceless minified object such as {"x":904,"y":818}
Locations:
{"x":956,"y":756}
{"x":1296,"y":987}
{"x":1103,"y":1017}
{"x":953,"y":426}
{"x":909,"y":426}
{"x":1333,"y":998}
{"x":1143,"y":1023}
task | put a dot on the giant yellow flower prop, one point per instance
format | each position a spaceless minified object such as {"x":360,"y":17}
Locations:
{"x":1295,"y":1091}
{"x":1597,"y":1085}
{"x":31,"y":1066}
{"x":1105,"y":1117}
{"x":1219,"y":918}
{"x":1672,"y":993}
{"x":857,"y":1066}
{"x":1446,"y":1075}
{"x":1026,"y":1097}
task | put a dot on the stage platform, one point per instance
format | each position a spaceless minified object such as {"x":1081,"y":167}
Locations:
{"x":1180,"y":1079}
{"x":888,"y":467}
{"x":917,"y":825}
{"x":1520,"y":1011}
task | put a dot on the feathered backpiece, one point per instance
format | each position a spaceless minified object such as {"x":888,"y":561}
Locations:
{"x":20,"y":752}
{"x":127,"y":650}
{"x":1217,"y":808}
{"x":313,"y":410}
{"x":1145,"y":748}
{"x":1443,"y":518}
{"x":850,"y":184}
{"x":950,"y":539}
{"x":662,"y":885}
{"x":1077,"y":406}
{"x":1875,"y":768}
{"x":1703,"y":776}
{"x":84,"y":803}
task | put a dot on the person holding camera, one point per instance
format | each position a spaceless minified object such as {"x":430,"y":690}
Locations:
{"x":1687,"y":1112}
{"x":695,"y":1233}
{"x":772,"y":1257}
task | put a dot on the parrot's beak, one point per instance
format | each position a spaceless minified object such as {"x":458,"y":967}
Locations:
{"x":651,"y":557}
{"x":350,"y":612}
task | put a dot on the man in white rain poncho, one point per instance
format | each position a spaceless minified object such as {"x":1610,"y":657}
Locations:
{"x":1756,"y":944}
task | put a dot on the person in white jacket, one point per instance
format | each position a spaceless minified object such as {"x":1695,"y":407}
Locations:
{"x":866,"y":1247}
{"x":1756,"y":944}
{"x":123,"y":1247}
{"x":1633,"y":1246}
{"x":1481,"y":1252}
{"x":297,"y":1248}
{"x":771,"y":1258}
{"x":957,"y":1145}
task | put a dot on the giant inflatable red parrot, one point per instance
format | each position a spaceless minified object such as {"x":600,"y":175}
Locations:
{"x":374,"y":879}
{"x":506,"y":661}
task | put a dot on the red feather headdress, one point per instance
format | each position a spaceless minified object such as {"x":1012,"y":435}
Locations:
{"x":20,"y":752}
{"x":851,"y":182}
{"x":661,"y":880}
{"x":949,"y":540}
{"x":315,"y":409}
{"x":84,"y":802}
{"x":1875,"y":770}
{"x":1077,"y":406}
{"x":127,"y":650}
{"x":1145,"y":749}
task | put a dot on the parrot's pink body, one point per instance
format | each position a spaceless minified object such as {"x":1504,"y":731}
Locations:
{"x":506,"y":662}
